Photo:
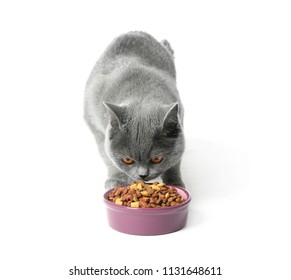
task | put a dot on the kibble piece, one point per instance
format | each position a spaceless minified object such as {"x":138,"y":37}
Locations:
{"x":155,"y":187}
{"x":146,"y":199}
{"x":143,"y":204}
{"x":118,"y":201}
{"x":134,"y":204}
{"x":170,"y":199}
{"x":144,"y":193}
{"x":139,"y":186}
{"x":159,"y":201}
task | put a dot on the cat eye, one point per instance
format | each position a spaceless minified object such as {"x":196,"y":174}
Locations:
{"x":128,"y":161}
{"x":156,"y":159}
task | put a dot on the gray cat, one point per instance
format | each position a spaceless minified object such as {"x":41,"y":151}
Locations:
{"x":133,"y":108}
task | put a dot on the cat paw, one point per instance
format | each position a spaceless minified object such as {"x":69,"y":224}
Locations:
{"x":178,"y":183}
{"x":112,"y":183}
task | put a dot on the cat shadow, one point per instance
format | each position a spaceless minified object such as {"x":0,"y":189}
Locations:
{"x":210,"y":171}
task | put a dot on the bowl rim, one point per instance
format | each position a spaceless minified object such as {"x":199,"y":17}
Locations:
{"x":184,"y":203}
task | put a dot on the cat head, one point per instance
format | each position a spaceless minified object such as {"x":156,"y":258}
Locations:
{"x":144,"y":141}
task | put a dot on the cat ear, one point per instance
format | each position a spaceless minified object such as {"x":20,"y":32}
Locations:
{"x":171,"y":123}
{"x":116,"y":113}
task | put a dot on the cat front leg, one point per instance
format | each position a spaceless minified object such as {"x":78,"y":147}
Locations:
{"x":172,"y":176}
{"x":116,"y":178}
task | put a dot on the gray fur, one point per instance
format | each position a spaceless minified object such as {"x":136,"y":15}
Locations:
{"x":133,"y":108}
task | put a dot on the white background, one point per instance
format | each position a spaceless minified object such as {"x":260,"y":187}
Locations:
{"x":233,"y":65}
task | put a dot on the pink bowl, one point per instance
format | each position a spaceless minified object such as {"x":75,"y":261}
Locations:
{"x":148,"y":221}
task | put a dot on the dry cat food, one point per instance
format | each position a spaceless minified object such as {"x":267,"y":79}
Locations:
{"x":143,"y":195}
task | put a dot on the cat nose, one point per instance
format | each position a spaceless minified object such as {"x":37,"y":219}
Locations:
{"x":143,"y":176}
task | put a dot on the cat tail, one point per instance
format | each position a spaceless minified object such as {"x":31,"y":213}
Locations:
{"x":168,"y":47}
